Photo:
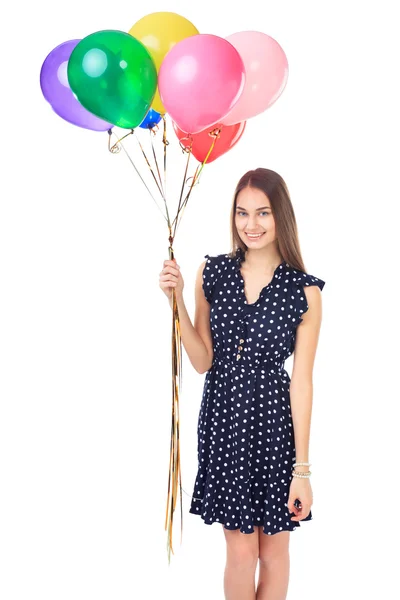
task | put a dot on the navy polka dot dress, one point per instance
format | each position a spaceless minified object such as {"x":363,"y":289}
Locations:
{"x":246,"y":447}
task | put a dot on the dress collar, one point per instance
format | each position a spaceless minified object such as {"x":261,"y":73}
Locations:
{"x":240,"y":256}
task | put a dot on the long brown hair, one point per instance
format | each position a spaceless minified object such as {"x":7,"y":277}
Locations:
{"x":274,"y":187}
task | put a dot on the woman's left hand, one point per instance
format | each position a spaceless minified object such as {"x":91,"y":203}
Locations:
{"x":300,"y":488}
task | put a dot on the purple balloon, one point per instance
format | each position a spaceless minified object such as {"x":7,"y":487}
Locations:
{"x":56,"y":90}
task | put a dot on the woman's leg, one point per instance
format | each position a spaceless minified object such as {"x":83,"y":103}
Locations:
{"x":273,"y":580}
{"x":241,"y":563}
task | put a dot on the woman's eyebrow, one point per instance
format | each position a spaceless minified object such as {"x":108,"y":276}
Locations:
{"x":262,"y":207}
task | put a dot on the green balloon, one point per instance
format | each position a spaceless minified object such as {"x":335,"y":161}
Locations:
{"x":113,"y":76}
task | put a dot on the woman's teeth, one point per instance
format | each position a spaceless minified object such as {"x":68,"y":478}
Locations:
{"x":255,"y":237}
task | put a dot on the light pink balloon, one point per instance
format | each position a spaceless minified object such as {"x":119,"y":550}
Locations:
{"x":200,"y":80}
{"x":266,"y":74}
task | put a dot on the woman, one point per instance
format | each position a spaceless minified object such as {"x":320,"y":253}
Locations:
{"x":255,"y":307}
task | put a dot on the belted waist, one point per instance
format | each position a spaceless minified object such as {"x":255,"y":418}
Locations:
{"x":266,"y":362}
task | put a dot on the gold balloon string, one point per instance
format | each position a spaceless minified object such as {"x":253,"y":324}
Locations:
{"x":174,"y":474}
{"x":116,"y":148}
{"x":152,"y":133}
{"x":186,"y":179}
{"x":188,"y":150}
{"x":215,"y":134}
{"x":120,"y":145}
{"x":159,"y":183}
{"x":163,"y":187}
{"x":165,"y":143}
{"x":174,"y":477}
{"x":150,"y":167}
{"x":154,"y":129}
{"x":193,"y":183}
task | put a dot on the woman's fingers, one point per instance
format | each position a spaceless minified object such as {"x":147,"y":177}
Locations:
{"x":171,"y":263}
{"x":170,"y":270}
{"x":170,"y":275}
{"x":301,"y":513}
{"x":170,"y":267}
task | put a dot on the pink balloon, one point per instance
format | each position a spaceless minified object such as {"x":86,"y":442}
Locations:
{"x":200,"y":80}
{"x":266,"y":74}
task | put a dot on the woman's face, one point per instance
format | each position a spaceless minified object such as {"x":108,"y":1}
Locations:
{"x":254,"y":215}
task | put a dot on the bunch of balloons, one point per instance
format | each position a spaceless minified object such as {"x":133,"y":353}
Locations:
{"x":163,"y":65}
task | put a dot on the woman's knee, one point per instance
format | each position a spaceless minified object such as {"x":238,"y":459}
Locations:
{"x":242,"y":549}
{"x":274,"y":548}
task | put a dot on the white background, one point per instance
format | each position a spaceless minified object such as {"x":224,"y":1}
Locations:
{"x":85,"y":329}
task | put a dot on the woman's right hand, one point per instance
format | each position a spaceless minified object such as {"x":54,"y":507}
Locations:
{"x":171,"y":277}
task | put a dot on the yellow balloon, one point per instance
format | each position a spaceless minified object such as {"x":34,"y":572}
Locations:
{"x":159,"y":32}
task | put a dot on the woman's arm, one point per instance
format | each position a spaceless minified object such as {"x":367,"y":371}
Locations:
{"x":301,"y":385}
{"x":197,"y":339}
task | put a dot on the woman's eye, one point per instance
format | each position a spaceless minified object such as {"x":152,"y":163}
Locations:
{"x":263,"y":212}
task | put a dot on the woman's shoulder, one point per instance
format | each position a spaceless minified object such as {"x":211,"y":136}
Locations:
{"x":214,"y":268}
{"x":219,"y":260}
{"x":302,"y":278}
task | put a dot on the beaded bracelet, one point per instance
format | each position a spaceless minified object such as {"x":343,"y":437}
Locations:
{"x":301,"y":475}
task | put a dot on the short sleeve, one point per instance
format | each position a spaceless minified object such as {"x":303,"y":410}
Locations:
{"x":212,"y":271}
{"x":301,"y":280}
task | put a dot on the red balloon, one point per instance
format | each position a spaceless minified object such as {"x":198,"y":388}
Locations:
{"x":202,"y":141}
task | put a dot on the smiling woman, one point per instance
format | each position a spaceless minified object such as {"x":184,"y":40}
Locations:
{"x":255,"y":478}
{"x":254,"y":419}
